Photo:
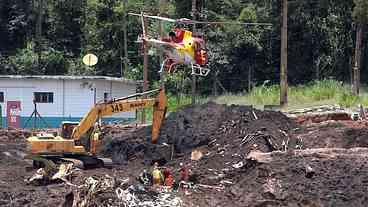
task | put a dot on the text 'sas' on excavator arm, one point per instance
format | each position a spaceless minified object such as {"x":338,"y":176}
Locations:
{"x":123,"y":105}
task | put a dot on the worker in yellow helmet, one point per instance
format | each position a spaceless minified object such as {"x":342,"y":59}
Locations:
{"x":157,"y":175}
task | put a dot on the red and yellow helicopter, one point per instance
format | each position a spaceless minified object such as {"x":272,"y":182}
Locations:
{"x":182,"y":46}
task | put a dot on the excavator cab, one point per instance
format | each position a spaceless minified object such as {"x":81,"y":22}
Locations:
{"x":67,"y":129}
{"x":90,"y":141}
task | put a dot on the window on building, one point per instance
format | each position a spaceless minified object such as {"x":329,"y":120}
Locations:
{"x":106,"y":97}
{"x":1,"y":97}
{"x":44,"y":97}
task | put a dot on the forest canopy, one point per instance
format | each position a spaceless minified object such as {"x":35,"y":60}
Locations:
{"x":321,"y":38}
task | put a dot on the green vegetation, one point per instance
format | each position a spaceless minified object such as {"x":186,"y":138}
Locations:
{"x":321,"y":41}
{"x":315,"y":93}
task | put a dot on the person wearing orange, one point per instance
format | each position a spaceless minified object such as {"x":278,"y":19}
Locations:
{"x":169,"y":178}
{"x":184,"y":173}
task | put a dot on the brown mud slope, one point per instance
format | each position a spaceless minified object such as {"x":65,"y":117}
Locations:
{"x":342,"y":134}
{"x":225,"y":135}
{"x":340,"y":179}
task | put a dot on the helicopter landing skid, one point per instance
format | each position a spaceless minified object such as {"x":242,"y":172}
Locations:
{"x":164,"y":63}
{"x":198,"y":70}
{"x":168,"y":65}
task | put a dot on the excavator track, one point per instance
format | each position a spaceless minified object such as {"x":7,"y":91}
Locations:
{"x":80,"y":161}
{"x":89,"y":162}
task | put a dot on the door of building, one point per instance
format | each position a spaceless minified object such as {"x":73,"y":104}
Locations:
{"x":13,"y":113}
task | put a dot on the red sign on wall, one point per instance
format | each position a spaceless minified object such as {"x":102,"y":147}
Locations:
{"x":13,"y":114}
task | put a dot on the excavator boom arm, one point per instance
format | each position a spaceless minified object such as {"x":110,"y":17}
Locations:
{"x":109,"y":108}
{"x":159,"y":112}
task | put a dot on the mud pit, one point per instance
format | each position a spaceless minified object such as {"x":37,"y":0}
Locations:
{"x":225,"y":135}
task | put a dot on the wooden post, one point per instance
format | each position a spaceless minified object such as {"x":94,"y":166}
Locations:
{"x":194,"y":78}
{"x":249,"y":78}
{"x":317,"y":70}
{"x":145,"y":64}
{"x":283,"y":72}
{"x":357,"y":59}
{"x":125,"y":3}
{"x":39,"y":34}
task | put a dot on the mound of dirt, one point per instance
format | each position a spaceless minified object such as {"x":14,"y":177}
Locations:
{"x":211,"y":124}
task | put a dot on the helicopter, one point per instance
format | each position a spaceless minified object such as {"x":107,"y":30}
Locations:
{"x":182,"y":46}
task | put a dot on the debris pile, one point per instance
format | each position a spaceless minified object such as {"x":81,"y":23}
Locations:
{"x":318,"y":109}
{"x":112,"y":191}
{"x":220,"y":124}
{"x":230,"y":128}
{"x":48,"y":174}
{"x":247,"y":158}
{"x":213,"y":140}
{"x":12,"y":134}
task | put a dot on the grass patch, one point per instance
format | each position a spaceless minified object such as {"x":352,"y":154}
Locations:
{"x":312,"y":94}
{"x":265,"y":94}
{"x":325,"y":92}
{"x":174,"y":103}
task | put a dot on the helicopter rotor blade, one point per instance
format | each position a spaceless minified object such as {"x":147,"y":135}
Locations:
{"x":143,"y":26}
{"x":234,"y":23}
{"x":154,"y":17}
{"x":189,"y":21}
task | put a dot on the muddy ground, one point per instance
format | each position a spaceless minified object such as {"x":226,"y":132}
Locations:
{"x":225,"y":135}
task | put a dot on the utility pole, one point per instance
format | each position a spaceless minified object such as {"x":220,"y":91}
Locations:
{"x":161,"y":7}
{"x":39,"y":34}
{"x":194,"y":79}
{"x":125,"y":3}
{"x":283,"y":72}
{"x":357,"y":59}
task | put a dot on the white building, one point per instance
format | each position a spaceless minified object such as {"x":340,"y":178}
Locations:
{"x":59,"y":98}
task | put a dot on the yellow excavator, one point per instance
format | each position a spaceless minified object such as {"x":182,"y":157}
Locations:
{"x":47,"y":149}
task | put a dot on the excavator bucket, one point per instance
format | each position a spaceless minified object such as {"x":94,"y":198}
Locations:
{"x":159,"y":112}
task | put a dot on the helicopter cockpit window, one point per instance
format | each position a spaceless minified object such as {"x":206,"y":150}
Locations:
{"x":199,"y":45}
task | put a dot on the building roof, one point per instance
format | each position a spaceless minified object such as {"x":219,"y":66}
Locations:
{"x":66,"y":77}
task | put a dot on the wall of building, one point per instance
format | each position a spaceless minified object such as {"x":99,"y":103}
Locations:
{"x":78,"y":97}
{"x":115,"y":90}
{"x":72,"y":98}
